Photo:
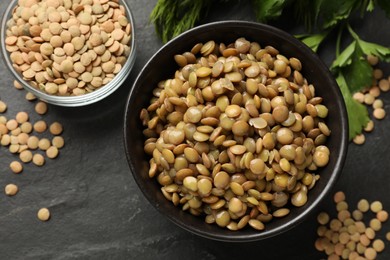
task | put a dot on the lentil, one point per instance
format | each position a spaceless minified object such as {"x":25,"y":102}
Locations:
{"x":339,"y":197}
{"x":41,"y":108}
{"x":52,"y":152}
{"x":44,"y":144}
{"x":11,"y":189}
{"x":55,"y":128}
{"x":369,"y":127}
{"x":350,"y":238}
{"x":59,"y":34}
{"x":16,"y":167}
{"x":230,"y":142}
{"x":21,"y":117}
{"x":38,"y":159}
{"x":370,"y":253}
{"x":382,"y":215}
{"x":17,"y":84}
{"x":378,"y":245}
{"x":379,"y":113}
{"x":363,"y":205}
{"x":359,"y":139}
{"x":376,"y":206}
{"x":26,"y":156}
{"x":3,"y":106}
{"x":58,"y":142}
{"x":43,"y":214}
{"x":30,"y":96}
{"x":40,"y":126}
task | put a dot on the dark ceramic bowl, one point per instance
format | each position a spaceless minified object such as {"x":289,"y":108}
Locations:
{"x":162,"y":66}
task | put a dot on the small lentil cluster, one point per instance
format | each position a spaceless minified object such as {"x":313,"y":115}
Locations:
{"x":21,"y":137}
{"x":370,"y":97}
{"x":29,"y":141}
{"x":349,"y":236}
{"x":68,"y":47}
{"x":237,"y":135}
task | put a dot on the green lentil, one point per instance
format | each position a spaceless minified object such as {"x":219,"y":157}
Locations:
{"x":236,"y":148}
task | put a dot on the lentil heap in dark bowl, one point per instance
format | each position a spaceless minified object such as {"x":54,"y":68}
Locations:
{"x":163,"y":66}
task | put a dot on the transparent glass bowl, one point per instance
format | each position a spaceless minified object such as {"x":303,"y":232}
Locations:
{"x":72,"y":101}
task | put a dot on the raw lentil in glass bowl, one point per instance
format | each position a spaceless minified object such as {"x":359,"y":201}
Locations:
{"x":167,"y":98}
{"x":69,"y":54}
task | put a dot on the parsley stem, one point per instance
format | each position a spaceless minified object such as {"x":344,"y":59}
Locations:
{"x":338,"y":40}
{"x":353,"y":34}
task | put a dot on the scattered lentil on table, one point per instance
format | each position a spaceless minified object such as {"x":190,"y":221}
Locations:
{"x":370,"y":97}
{"x":11,"y":189}
{"x":347,"y":236}
{"x":43,"y":214}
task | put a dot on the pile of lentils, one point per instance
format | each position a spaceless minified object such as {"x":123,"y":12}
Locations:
{"x":68,"y":47}
{"x":237,"y":135}
{"x":350,"y":236}
{"x":371,"y":97}
{"x":32,"y":142}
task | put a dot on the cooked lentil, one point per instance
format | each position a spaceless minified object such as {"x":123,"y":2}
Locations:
{"x":228,"y":111}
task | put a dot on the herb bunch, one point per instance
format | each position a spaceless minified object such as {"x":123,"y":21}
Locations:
{"x":320,"y":18}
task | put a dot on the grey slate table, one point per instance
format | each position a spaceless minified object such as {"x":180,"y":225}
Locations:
{"x":98,"y":212}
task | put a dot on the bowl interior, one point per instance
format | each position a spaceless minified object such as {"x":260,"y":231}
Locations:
{"x":162,"y":66}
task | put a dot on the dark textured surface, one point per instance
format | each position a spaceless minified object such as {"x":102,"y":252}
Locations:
{"x":98,"y":212}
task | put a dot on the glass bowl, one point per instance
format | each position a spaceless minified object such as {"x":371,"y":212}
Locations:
{"x":74,"y":100}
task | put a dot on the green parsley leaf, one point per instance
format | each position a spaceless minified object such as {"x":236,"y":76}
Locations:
{"x":312,"y":40}
{"x":358,"y":74}
{"x":172,"y":17}
{"x":266,"y":10}
{"x":345,"y":58}
{"x":357,"y":113}
{"x":309,"y":18}
{"x":334,"y":11}
{"x":369,"y":48}
{"x":370,"y":6}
